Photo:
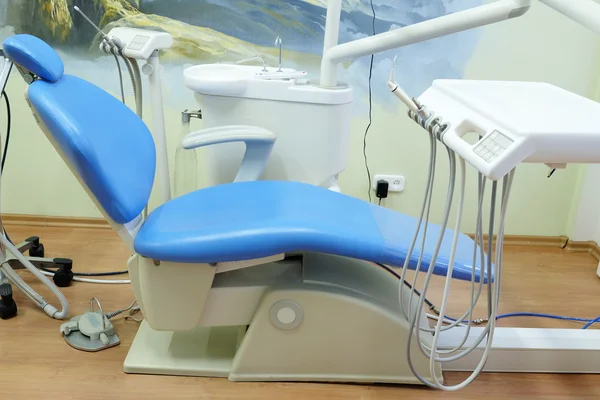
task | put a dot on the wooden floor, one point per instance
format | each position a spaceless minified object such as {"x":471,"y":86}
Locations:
{"x":38,"y":364}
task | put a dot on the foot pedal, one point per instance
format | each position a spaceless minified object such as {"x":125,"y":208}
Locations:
{"x":91,"y":331}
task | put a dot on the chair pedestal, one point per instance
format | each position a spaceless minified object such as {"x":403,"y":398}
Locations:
{"x":336,"y":320}
{"x":204,"y":351}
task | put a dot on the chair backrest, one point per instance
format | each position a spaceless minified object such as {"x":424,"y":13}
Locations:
{"x":102,"y":140}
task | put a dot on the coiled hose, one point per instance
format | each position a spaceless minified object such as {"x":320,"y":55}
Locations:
{"x":25,"y":288}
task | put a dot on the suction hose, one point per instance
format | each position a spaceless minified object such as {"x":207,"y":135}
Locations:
{"x":136,"y":79}
{"x":12,"y":275}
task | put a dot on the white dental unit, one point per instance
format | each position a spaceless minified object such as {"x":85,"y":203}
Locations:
{"x":310,"y":119}
{"x":515,"y":122}
{"x":293,"y":283}
{"x":312,"y":124}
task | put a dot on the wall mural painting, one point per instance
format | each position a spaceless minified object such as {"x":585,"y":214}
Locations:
{"x":208,"y":31}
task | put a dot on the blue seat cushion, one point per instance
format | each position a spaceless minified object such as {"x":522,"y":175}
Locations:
{"x":248,"y":220}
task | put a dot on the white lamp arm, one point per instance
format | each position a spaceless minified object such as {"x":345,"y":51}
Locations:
{"x":585,"y":12}
{"x":334,"y":53}
{"x":259,"y":144}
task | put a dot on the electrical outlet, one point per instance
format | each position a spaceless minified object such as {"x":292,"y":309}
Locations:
{"x":396,"y":182}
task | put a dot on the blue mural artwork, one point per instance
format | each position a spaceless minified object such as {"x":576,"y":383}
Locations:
{"x":207,"y":31}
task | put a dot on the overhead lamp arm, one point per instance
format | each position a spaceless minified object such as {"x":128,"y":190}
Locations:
{"x":334,"y":53}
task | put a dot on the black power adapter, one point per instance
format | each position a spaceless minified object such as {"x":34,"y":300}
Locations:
{"x":382,"y":189}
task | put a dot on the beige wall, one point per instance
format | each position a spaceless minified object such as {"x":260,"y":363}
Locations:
{"x":540,"y":46}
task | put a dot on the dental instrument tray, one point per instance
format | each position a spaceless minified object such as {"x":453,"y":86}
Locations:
{"x":516,"y":122}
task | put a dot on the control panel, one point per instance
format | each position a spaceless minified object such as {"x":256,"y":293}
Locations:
{"x":141,"y":43}
{"x":518,"y":122}
{"x":492,"y":146}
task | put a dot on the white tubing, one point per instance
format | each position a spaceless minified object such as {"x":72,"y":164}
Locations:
{"x":496,"y":297}
{"x":428,"y":188}
{"x":49,"y":309}
{"x":107,"y":281}
{"x":136,"y":80}
{"x":446,"y":296}
{"x":22,"y":285}
{"x":474,"y":298}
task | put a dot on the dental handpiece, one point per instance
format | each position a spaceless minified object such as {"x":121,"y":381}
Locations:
{"x":402,"y":95}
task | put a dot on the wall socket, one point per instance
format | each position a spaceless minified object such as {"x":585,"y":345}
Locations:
{"x":396,"y":182}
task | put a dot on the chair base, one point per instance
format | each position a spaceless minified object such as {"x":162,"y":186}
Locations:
{"x":340,"y":323}
{"x":209,"y":352}
{"x":204,"y":351}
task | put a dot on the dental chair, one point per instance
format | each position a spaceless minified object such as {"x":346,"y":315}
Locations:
{"x":253,"y":281}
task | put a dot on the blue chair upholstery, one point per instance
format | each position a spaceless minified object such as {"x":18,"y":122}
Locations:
{"x":107,"y":144}
{"x":113,"y":152}
{"x":34,"y":55}
{"x":242,"y":221}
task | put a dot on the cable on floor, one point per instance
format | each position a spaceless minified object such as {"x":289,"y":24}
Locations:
{"x":592,"y":322}
{"x":589,"y":322}
{"x":88,"y":280}
{"x":92,"y":274}
{"x":133,"y":308}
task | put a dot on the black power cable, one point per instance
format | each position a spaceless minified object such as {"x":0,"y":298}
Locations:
{"x":370,"y":109}
{"x":90,"y":274}
{"x":391,"y":271}
{"x":8,"y":122}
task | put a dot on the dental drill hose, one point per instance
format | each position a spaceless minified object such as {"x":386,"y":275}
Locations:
{"x":428,"y":188}
{"x":134,"y":74}
{"x":436,"y":129}
{"x":13,"y":276}
{"x":137,"y":85}
{"x":133,"y":70}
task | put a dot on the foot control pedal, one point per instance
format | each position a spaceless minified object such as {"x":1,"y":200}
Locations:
{"x":91,"y":331}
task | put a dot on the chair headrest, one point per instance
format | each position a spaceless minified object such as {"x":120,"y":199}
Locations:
{"x":34,"y":55}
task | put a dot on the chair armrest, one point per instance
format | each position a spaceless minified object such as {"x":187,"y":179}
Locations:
{"x":259,"y":144}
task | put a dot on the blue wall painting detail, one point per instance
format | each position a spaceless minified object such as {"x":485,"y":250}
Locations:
{"x":227,"y":30}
